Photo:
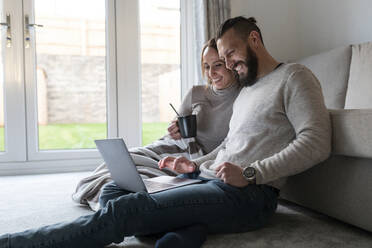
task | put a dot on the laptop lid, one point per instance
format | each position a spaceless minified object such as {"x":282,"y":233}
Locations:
{"x":120,"y":164}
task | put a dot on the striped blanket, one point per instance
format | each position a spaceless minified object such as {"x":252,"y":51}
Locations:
{"x":146,"y":159}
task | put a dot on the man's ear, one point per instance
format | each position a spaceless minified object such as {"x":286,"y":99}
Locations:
{"x":254,"y":39}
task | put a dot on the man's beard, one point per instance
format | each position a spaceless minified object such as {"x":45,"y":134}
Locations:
{"x":251,"y":63}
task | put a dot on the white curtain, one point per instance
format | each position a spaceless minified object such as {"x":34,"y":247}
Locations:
{"x":207,"y":16}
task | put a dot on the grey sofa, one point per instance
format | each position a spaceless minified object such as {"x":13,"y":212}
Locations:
{"x":340,"y":187}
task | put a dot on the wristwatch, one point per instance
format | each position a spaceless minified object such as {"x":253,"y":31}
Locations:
{"x":249,"y":174}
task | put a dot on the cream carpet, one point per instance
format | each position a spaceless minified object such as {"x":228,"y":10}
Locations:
{"x":35,"y":200}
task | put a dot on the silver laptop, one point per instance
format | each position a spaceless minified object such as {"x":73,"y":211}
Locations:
{"x":124,"y":172}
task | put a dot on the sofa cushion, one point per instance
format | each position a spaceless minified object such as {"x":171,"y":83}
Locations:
{"x":351,"y":132}
{"x":332,"y":70}
{"x":358,"y":95}
{"x":339,"y":187}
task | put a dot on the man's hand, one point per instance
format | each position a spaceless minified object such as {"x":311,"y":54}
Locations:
{"x":179,"y":164}
{"x":173,"y":130}
{"x":231,"y":174}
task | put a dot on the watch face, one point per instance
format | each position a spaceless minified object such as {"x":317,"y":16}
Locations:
{"x":249,"y":172}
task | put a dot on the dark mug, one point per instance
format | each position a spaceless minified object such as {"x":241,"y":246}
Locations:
{"x":187,"y":126}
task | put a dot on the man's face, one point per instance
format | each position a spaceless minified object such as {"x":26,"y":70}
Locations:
{"x":238,"y":57}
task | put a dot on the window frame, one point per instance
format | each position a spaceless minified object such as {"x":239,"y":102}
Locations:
{"x":14,"y":94}
{"x":20,"y":109}
{"x":187,"y":44}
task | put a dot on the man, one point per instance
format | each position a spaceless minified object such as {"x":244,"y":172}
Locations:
{"x":279,"y":127}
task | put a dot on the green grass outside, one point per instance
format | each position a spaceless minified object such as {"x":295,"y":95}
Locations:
{"x":153,"y":131}
{"x":80,"y":136}
{"x":70,"y":136}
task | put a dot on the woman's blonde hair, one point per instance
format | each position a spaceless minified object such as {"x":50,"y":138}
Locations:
{"x":212,"y":44}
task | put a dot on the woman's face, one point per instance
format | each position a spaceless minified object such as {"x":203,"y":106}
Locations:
{"x":215,"y":70}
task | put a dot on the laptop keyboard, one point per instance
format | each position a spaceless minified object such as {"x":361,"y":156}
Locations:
{"x":154,"y":186}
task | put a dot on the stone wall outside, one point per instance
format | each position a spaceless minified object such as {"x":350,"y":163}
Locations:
{"x":75,"y":89}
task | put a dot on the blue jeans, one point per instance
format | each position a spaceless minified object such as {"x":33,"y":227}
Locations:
{"x":218,"y":206}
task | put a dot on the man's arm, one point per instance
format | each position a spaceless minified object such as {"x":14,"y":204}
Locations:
{"x":306,"y":111}
{"x":210,"y":156}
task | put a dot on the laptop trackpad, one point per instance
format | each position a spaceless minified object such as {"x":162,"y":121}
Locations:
{"x":161,"y":183}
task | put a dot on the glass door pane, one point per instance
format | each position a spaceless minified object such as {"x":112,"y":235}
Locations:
{"x":2,"y":131}
{"x":71,"y":73}
{"x":161,"y":75}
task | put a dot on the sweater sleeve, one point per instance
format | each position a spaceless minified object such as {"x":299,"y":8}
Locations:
{"x":305,"y":109}
{"x":210,"y":156}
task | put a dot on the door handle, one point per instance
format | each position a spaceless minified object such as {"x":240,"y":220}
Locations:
{"x":8,"y":31}
{"x":29,"y":25}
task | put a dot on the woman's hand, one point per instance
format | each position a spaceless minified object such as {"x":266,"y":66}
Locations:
{"x":173,"y":130}
{"x":179,"y":164}
{"x":231,"y":174}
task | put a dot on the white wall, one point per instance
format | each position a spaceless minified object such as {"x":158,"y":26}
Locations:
{"x":298,"y":28}
{"x":325,"y":24}
{"x":277,"y":21}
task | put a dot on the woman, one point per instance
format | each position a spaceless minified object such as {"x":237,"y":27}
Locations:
{"x":213,"y":107}
{"x":211,"y":104}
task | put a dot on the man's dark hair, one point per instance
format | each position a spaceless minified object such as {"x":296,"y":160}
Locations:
{"x":242,"y":26}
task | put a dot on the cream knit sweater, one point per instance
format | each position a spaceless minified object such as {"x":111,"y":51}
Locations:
{"x":280,"y":126}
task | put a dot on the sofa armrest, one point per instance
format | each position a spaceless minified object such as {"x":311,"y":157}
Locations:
{"x":352,"y":132}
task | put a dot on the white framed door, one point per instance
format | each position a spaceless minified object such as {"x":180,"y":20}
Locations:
{"x":65,"y":77}
{"x":12,"y":112}
{"x":57,"y":77}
